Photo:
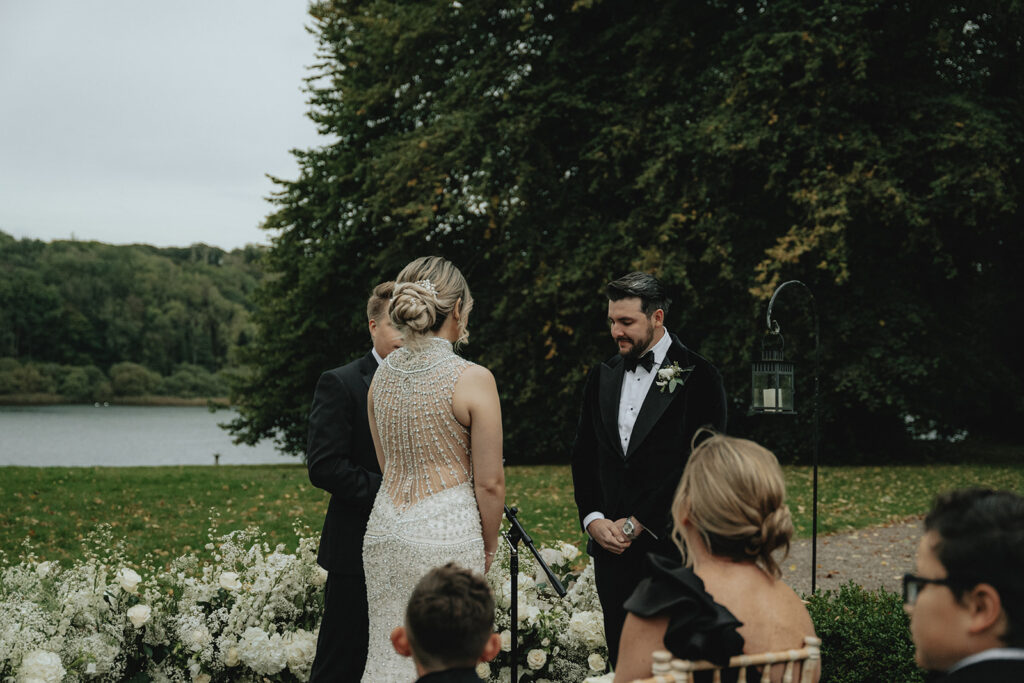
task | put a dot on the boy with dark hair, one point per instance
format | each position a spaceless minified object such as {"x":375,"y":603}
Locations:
{"x":967,"y":605}
{"x":449,"y":626}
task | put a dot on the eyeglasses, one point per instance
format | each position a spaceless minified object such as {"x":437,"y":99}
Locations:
{"x":912,"y":585}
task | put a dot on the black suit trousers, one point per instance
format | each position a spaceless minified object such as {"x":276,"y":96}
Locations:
{"x":344,"y":632}
{"x":617,"y":576}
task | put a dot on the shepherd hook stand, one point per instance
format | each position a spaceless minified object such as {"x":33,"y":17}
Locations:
{"x":517,"y":533}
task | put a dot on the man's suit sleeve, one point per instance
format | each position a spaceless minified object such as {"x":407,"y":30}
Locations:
{"x":705,"y":408}
{"x":329,"y":455}
{"x":585,"y":481}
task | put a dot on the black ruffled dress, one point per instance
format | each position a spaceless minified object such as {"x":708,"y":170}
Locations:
{"x":698,"y":627}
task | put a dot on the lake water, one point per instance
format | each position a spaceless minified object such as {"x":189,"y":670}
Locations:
{"x":123,"y":436}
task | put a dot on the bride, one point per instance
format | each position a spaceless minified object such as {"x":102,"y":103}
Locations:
{"x":436,"y":424}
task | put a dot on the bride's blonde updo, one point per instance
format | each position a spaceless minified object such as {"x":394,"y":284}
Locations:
{"x":426,"y":292}
{"x":733,"y":492}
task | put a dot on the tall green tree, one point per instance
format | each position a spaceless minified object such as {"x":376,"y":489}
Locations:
{"x":871,"y":149}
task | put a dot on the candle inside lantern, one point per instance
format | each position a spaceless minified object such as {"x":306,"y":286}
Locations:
{"x":769,"y":399}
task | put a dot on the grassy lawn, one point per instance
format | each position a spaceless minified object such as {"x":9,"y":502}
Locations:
{"x":166,"y":510}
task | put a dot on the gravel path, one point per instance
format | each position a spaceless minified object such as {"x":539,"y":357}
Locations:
{"x":873,"y":557}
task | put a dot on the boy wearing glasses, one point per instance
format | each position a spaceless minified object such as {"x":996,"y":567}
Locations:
{"x":966,"y":603}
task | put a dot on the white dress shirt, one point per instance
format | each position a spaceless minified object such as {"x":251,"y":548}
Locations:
{"x":373,"y":350}
{"x":635,"y":385}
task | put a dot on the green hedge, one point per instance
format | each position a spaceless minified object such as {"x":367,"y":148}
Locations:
{"x":865,"y":636}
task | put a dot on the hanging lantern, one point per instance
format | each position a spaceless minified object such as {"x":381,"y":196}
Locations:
{"x":772,"y":379}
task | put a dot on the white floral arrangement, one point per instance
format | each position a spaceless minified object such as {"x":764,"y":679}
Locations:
{"x":559,"y":639}
{"x":244,"y":612}
{"x":240,"y":610}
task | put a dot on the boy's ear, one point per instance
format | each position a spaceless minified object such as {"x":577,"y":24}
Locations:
{"x":400,"y":641}
{"x":491,"y":648}
{"x":986,"y":608}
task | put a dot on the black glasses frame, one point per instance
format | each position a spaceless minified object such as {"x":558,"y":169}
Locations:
{"x":913,"y":584}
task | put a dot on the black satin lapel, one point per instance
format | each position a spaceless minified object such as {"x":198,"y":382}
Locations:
{"x":368,"y":368}
{"x":655,"y":404}
{"x":608,"y":398}
{"x":657,"y":401}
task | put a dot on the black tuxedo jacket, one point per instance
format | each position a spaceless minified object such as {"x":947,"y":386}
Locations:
{"x":987,"y":671}
{"x":642,"y":481}
{"x":341,"y":460}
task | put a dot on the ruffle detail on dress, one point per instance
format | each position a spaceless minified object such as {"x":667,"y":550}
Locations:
{"x":698,"y":627}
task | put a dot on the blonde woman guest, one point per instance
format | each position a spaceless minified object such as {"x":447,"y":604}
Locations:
{"x":436,"y":426}
{"x":729,"y":516}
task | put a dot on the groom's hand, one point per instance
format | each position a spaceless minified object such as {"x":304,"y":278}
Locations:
{"x":608,"y":535}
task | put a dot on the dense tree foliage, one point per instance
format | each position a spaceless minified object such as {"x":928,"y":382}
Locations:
{"x":138,"y":318}
{"x":871,"y":149}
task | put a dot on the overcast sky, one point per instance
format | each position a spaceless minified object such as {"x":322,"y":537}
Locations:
{"x":135,"y":121}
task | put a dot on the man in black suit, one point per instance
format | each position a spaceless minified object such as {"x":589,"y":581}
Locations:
{"x":342,"y":461}
{"x":966,"y":604}
{"x":640,"y":411}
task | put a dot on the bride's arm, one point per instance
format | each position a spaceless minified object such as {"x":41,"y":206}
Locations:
{"x":476,"y":398}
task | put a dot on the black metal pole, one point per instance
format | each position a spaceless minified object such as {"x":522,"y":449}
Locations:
{"x":773,"y":326}
{"x":513,"y":536}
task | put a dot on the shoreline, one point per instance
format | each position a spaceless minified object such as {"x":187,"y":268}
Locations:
{"x":146,"y":400}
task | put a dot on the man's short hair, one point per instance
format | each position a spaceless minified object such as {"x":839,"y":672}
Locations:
{"x":377,"y":306}
{"x":642,"y":285}
{"x":981,"y":540}
{"x":449,"y":618}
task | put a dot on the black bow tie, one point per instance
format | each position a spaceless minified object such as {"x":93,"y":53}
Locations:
{"x":646,"y":360}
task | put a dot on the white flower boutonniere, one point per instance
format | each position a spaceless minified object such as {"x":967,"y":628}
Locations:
{"x":673,"y":376}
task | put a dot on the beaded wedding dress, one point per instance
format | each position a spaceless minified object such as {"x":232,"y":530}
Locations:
{"x":425,"y":514}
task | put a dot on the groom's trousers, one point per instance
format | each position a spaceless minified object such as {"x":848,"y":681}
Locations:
{"x":344,"y":632}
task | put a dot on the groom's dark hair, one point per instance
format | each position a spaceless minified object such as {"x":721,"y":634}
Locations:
{"x":449,"y":618}
{"x":643,"y":286}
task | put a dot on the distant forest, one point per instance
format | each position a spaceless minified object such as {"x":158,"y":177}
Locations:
{"x":86,"y":321}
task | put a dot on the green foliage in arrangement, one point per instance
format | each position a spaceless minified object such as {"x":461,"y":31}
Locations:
{"x":865,"y":636}
{"x":871,"y":150}
{"x":72,"y":311}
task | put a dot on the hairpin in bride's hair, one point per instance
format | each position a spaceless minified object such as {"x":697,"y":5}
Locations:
{"x":428,"y":285}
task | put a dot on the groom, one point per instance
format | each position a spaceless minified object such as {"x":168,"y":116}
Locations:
{"x":633,"y":439}
{"x":341,"y":460}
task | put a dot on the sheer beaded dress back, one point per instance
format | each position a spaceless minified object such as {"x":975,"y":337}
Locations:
{"x":425,"y":513}
{"x":426,"y":450}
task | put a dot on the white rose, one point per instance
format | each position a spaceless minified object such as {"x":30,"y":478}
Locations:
{"x":551,"y":557}
{"x":319,"y":576}
{"x":229,"y":581}
{"x":666,"y":373}
{"x":139,"y":615}
{"x":128,"y":579}
{"x":596,"y":662}
{"x":587,"y":628}
{"x":568,"y":550}
{"x":545,"y":642}
{"x":42,"y":666}
{"x":525,"y":582}
{"x":483,"y":671}
{"x":43,"y":568}
{"x":201,"y":678}
{"x":528,"y":614}
{"x":536,"y":659}
{"x":230,"y":657}
{"x":506,"y":641}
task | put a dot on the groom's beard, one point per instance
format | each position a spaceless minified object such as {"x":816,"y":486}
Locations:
{"x":638,"y":345}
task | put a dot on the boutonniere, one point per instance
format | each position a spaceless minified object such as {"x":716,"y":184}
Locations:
{"x":673,"y":376}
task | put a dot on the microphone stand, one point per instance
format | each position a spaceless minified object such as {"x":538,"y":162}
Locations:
{"x":513,"y":536}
